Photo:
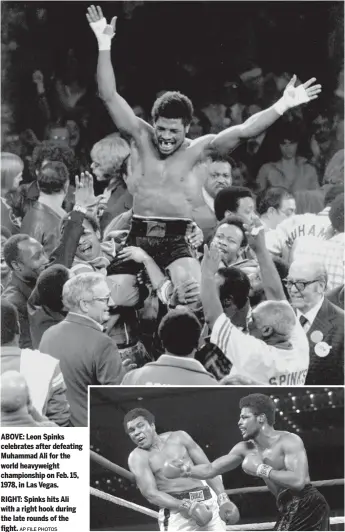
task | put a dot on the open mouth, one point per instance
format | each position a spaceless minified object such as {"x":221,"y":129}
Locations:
{"x":85,"y":247}
{"x":141,"y":440}
{"x":166,"y":145}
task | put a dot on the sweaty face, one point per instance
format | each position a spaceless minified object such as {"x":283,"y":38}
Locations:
{"x":218,"y":177}
{"x":141,"y":432}
{"x":169,"y":134}
{"x":288,"y":149}
{"x":32,"y":259}
{"x":306,"y":298}
{"x":248,"y":424}
{"x":89,"y":246}
{"x":228,"y":239}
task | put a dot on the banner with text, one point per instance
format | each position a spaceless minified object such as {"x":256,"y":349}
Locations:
{"x":44,"y":480}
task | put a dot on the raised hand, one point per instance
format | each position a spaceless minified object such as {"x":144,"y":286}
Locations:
{"x":304,"y":93}
{"x":104,"y":32}
{"x":84,"y":193}
{"x":211,"y":260}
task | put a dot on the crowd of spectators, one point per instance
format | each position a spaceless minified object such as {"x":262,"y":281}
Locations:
{"x":269,"y":308}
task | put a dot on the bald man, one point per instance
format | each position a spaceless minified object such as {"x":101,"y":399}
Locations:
{"x":276,"y":351}
{"x":16,"y":407}
{"x":322,"y":321}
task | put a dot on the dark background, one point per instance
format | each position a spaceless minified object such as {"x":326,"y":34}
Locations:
{"x":210,"y":416}
{"x":155,"y":40}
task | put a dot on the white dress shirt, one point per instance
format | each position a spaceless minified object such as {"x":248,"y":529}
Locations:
{"x":310,"y":315}
{"x":208,"y":199}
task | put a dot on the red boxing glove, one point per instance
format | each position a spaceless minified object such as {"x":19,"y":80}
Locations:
{"x":176,"y":469}
{"x":197,"y":511}
{"x":228,"y":511}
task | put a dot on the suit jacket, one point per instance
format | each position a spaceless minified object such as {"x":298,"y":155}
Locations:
{"x":327,"y":370}
{"x":87,"y":356}
{"x":18,"y":293}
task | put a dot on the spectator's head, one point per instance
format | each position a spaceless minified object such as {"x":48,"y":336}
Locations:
{"x":288,"y":136}
{"x":50,"y":285}
{"x":257,"y":411}
{"x":272,"y":321}
{"x":139,"y":424}
{"x":233,"y":286}
{"x":171,"y":114}
{"x":53,"y":179}
{"x":110,"y":158}
{"x":234,"y":200}
{"x":218,"y":174}
{"x":274,"y":205}
{"x":332,"y":193}
{"x":179,"y":332}
{"x":87,"y":294}
{"x":15,"y":397}
{"x":49,"y":152}
{"x":230,"y":239}
{"x":58,"y":135}
{"x":25,"y":256}
{"x":334,"y":172}
{"x":11,"y":171}
{"x":5,"y":235}
{"x":9,"y":323}
{"x":309,"y":201}
{"x":306,"y":284}
{"x":89,"y":246}
{"x":336,"y":213}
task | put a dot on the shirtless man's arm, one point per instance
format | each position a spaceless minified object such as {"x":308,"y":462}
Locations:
{"x":295,"y":461}
{"x":218,"y":467}
{"x":231,"y":137}
{"x":122,"y":114}
{"x":199,"y":457}
{"x":139,"y":466}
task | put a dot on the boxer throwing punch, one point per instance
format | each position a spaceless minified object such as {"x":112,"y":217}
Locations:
{"x":278,"y":457}
{"x":162,"y":157}
{"x":185,"y":503}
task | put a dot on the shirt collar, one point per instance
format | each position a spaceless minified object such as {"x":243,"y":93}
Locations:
{"x":310,"y":315}
{"x":181,"y":362}
{"x":208,"y":200}
{"x":100,"y":327}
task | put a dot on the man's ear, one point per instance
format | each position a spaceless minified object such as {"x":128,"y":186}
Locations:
{"x":15,"y":266}
{"x":187,"y":128}
{"x":271,"y":210}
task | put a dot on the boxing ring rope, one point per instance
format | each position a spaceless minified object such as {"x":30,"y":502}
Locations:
{"x":107,"y":464}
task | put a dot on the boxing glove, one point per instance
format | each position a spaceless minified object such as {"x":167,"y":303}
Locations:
{"x":253,"y":465}
{"x":196,"y":511}
{"x":176,"y":469}
{"x":228,"y":511}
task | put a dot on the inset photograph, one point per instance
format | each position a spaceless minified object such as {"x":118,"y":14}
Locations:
{"x":220,"y":458}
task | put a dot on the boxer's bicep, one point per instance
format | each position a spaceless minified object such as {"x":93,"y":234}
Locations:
{"x":144,"y":477}
{"x":295,"y":458}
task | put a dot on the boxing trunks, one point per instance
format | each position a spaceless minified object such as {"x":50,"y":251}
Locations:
{"x":303,"y":510}
{"x":170,"y":520}
{"x":162,"y":238}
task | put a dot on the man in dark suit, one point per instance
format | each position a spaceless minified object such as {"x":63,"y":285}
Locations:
{"x":86,"y":354}
{"x":322,"y":321}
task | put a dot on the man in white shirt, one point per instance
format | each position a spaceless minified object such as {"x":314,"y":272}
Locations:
{"x":276,"y":352}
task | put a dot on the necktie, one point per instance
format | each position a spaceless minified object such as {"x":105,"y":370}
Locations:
{"x":303,"y":320}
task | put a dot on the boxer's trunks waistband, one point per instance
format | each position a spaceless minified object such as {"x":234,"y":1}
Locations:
{"x":202,"y":494}
{"x":158,"y":227}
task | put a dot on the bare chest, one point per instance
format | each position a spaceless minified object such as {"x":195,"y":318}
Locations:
{"x":170,"y":451}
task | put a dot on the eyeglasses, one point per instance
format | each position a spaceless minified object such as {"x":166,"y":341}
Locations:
{"x":104,"y":299}
{"x":300,"y":285}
